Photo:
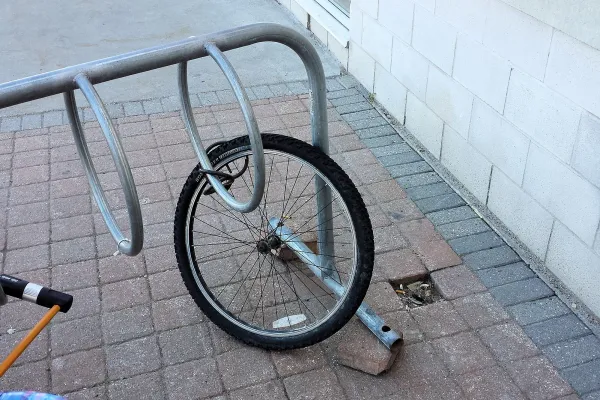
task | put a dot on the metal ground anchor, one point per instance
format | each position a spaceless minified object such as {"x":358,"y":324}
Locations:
{"x":390,"y":338}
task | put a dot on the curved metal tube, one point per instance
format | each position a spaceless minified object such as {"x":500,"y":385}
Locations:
{"x":258,"y":155}
{"x":132,"y":246}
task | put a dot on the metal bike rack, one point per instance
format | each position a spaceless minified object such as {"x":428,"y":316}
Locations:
{"x":85,"y":76}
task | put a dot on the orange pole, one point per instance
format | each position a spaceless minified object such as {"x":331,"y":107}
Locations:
{"x":20,"y":348}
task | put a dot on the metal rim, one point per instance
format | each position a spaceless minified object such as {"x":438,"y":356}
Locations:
{"x":195,"y":268}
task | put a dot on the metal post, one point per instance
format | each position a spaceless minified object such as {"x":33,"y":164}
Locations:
{"x":365,"y":313}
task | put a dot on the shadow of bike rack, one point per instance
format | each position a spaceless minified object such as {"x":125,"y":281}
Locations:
{"x":85,"y":76}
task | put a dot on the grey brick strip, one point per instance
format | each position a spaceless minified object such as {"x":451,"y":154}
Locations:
{"x":552,"y":326}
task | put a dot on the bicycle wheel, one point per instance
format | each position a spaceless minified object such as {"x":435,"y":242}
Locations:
{"x":243,"y":270}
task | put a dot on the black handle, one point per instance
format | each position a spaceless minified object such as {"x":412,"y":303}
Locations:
{"x":35,"y":293}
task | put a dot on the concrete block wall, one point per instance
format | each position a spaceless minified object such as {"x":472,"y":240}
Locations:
{"x":505,"y":94}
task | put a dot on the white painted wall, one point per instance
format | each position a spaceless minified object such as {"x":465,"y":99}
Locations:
{"x":505,"y":93}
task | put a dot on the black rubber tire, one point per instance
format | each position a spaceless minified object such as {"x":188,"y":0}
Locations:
{"x":358,"y":215}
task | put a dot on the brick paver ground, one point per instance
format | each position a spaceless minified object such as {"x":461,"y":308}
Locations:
{"x":134,"y":332}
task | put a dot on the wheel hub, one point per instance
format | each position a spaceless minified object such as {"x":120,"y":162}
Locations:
{"x":270,"y":243}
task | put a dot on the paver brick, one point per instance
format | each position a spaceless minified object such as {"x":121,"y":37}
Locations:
{"x":402,"y":210}
{"x":407,"y":182}
{"x":72,"y":227}
{"x":70,"y":206}
{"x":521,"y":291}
{"x":480,"y":310}
{"x":120,"y":267}
{"x":26,"y":259}
{"x":292,"y":362}
{"x":245,"y":366}
{"x":185,"y":344}
{"x":573,"y":352}
{"x":537,"y":378}
{"x":388,"y":140}
{"x":75,"y":335}
{"x":401,"y":266}
{"x":28,"y":235}
{"x":441,"y":202}
{"x":147,"y":386}
{"x":126,"y":324}
{"x":556,"y":330}
{"x":358,"y":348}
{"x":463,"y":353}
{"x":406,"y":157}
{"x":451,"y":215}
{"x":85,"y":302}
{"x":458,"y":229}
{"x":429,"y":190}
{"x":477,"y":242}
{"x":347,"y":100}
{"x":538,"y":310}
{"x":37,"y":192}
{"x":438,"y":319}
{"x":29,"y":175}
{"x":272,"y":390}
{"x":132,"y":358}
{"x":175,"y":312}
{"x":388,"y":238}
{"x":78,"y":370}
{"x":28,"y":213}
{"x":489,"y":383}
{"x":182,"y":380}
{"x":585,"y":377}
{"x":408,"y":169}
{"x":26,"y":159}
{"x":36,"y":351}
{"x":455,"y":282}
{"x":508,"y":342}
{"x":73,"y":250}
{"x":506,"y":274}
{"x":490,"y":258}
{"x":123,"y":294}
{"x":382,"y":298}
{"x":354,"y":107}
{"x":318,"y":384}
{"x":35,"y":374}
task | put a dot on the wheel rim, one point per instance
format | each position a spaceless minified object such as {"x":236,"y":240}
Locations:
{"x":251,"y":278}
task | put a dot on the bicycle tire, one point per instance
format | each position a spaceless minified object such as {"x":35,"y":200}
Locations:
{"x":203,"y":295}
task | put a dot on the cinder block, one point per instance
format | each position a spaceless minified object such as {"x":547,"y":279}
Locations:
{"x":543,"y":114}
{"x":434,"y":38}
{"x":397,"y":16}
{"x":410,"y":68}
{"x":523,"y":215}
{"x":370,"y":7}
{"x":377,"y":41}
{"x":570,"y":198}
{"x":518,"y":37}
{"x":466,"y":163}
{"x":450,"y":100}
{"x":299,"y":12}
{"x":467,"y":15}
{"x":586,"y":155}
{"x":427,"y":4}
{"x":319,"y":31}
{"x":481,"y":71}
{"x":339,"y":51}
{"x":390,"y":93}
{"x":356,"y":21}
{"x":504,"y":145}
{"x":575,"y":265}
{"x":362,"y":66}
{"x":578,"y":22}
{"x":424,"y":124}
{"x":574,"y":71}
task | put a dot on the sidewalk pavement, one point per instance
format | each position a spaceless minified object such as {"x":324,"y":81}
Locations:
{"x":134,"y":332}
